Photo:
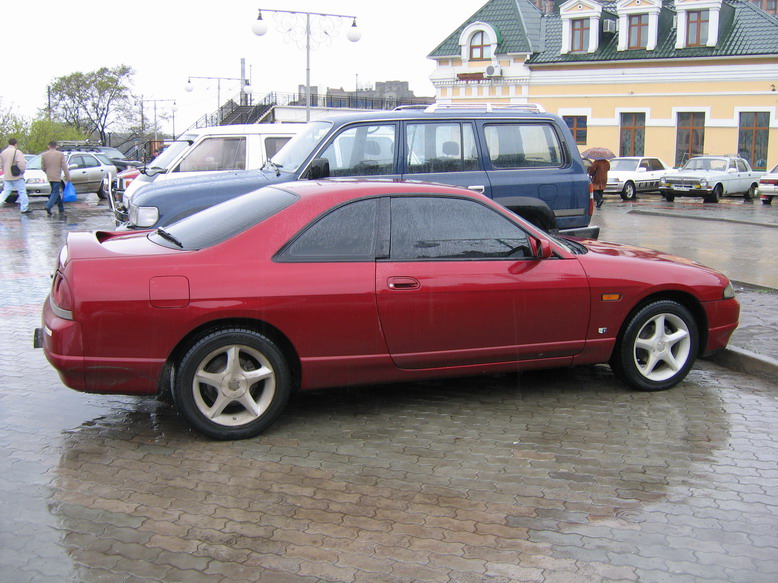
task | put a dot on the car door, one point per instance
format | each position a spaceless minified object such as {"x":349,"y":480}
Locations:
{"x":445,"y":152}
{"x":85,"y":172}
{"x":461,"y":286}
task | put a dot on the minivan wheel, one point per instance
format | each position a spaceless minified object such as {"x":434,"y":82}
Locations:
{"x":657,"y":347}
{"x":232,"y":384}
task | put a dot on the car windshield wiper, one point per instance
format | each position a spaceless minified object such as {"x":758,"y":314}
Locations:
{"x":170,"y":237}
{"x":275,"y":167}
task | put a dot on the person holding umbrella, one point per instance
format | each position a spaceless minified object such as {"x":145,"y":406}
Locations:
{"x":598,"y":171}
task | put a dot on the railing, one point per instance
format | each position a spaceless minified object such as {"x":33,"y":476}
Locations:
{"x":260,"y":108}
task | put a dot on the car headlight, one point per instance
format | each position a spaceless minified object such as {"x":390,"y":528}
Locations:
{"x":729,"y":292}
{"x":143,"y":216}
{"x":703,"y":183}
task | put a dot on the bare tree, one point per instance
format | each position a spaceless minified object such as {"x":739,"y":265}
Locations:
{"x":92,"y":102}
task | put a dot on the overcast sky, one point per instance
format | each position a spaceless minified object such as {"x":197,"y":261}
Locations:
{"x":166,"y":41}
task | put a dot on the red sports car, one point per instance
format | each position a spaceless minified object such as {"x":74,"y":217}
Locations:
{"x":308,"y":285}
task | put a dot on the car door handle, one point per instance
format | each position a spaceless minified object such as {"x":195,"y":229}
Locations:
{"x":477,"y":188}
{"x":402,"y":283}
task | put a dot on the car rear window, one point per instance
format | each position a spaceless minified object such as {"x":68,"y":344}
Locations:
{"x":218,"y":223}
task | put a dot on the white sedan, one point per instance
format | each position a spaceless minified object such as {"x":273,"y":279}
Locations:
{"x":632,"y":174}
{"x":768,"y":186}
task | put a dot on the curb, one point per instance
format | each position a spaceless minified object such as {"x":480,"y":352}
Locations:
{"x":742,"y":360}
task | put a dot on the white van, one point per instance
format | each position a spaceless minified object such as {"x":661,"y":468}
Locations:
{"x":209,"y":150}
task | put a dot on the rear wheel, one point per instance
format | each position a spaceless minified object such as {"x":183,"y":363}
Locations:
{"x":629,"y":192}
{"x":767,"y":200}
{"x":657,"y":348}
{"x":750,"y":193}
{"x":232,"y":384}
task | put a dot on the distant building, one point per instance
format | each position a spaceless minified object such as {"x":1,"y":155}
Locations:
{"x":668,"y":78}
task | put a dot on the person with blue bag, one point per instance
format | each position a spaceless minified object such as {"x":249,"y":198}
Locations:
{"x":54,"y":165}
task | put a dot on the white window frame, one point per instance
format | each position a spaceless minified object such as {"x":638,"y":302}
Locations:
{"x":579,"y":10}
{"x":491,"y":36}
{"x":627,"y":8}
{"x":683,"y":7}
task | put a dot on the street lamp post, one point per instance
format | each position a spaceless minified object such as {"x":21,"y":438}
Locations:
{"x":243,"y":84}
{"x":322,"y":33}
{"x":155,"y":101}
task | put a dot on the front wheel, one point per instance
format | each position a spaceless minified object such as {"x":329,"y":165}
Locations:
{"x":657,"y":347}
{"x":629,"y":192}
{"x":715,"y":196}
{"x":669,"y":197}
{"x":232,"y":384}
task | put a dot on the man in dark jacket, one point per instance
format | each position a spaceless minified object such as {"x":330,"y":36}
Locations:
{"x":54,"y":165}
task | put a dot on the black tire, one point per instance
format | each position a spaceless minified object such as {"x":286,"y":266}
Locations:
{"x":629,"y":192}
{"x":715,"y":196}
{"x":254,"y":384}
{"x":669,"y":197}
{"x":768,"y":200}
{"x":657,"y":346}
{"x":751,"y":192}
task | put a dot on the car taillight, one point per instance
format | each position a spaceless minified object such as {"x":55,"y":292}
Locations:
{"x":591,"y":199}
{"x":61,"y":297}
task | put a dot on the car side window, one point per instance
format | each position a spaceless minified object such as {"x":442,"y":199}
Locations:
{"x":215,"y":154}
{"x":741,"y":166}
{"x":523,"y":145}
{"x":440,"y":147}
{"x":364,"y":150}
{"x":655,"y":164}
{"x":451,"y":228}
{"x":347,"y":233}
{"x":89,"y":161}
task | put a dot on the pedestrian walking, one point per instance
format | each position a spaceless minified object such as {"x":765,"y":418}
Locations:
{"x":54,"y":165}
{"x":598,"y":172}
{"x":13,"y":163}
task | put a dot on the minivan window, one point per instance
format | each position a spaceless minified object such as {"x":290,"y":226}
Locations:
{"x":523,"y":145}
{"x":169,"y":154}
{"x":295,"y":152}
{"x":440,"y":147}
{"x":363,"y":150}
{"x":215,"y":154}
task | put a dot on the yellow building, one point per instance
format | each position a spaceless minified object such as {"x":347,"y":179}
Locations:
{"x":672,"y":78}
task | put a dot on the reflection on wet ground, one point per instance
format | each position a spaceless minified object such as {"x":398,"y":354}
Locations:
{"x":549,"y":476}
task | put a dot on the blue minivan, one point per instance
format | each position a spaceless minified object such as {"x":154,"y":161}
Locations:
{"x":521,"y":156}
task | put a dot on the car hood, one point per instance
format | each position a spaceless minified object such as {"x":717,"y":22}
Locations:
{"x":612,"y":261}
{"x":219,"y":187}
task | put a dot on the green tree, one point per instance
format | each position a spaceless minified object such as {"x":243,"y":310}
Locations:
{"x":92,"y":102}
{"x":12,"y":125}
{"x":42,"y":131}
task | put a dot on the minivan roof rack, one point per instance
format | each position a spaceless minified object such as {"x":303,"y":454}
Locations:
{"x":487,"y":107}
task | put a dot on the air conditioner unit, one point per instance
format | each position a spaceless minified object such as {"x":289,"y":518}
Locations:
{"x":609,"y":25}
{"x":493,"y":71}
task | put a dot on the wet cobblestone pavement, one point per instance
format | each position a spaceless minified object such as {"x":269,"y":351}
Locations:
{"x":556,"y":476}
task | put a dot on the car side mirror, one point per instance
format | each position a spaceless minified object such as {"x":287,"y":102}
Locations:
{"x":320,"y":168}
{"x":542,"y":249}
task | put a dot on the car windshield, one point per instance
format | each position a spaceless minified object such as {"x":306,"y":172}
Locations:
{"x":34,"y":163}
{"x":166,"y":158}
{"x":112,"y":153}
{"x":295,"y":152}
{"x":718,"y":164}
{"x":773,"y":171}
{"x":624,"y":165}
{"x":103,"y":158}
{"x":222,"y":221}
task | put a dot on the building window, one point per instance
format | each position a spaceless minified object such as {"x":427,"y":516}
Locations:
{"x":577,"y":125}
{"x":690,"y":137}
{"x":638,"y":31}
{"x":580,"y":41}
{"x":480,"y":49}
{"x":752,"y":138}
{"x":697,"y":28}
{"x":632,"y":141}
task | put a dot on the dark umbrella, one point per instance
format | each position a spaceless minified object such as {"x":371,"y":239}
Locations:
{"x":598,"y":154}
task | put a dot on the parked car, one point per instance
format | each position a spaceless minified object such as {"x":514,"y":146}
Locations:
{"x":206,"y":151}
{"x":89,"y":172}
{"x":768,"y":186}
{"x":711,"y":177}
{"x":520,"y":156}
{"x":116,"y":156}
{"x":630,"y":175}
{"x":314,"y":284}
